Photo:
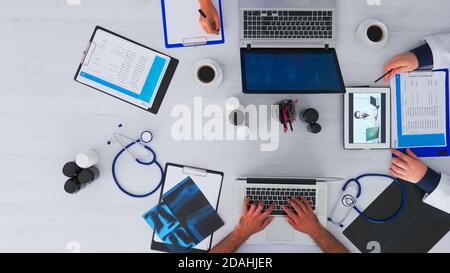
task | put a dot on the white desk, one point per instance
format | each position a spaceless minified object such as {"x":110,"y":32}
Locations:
{"x":47,"y":119}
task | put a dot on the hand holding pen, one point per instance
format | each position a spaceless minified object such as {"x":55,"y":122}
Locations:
{"x":209,"y":18}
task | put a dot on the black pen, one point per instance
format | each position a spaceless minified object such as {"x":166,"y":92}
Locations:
{"x":204,"y":16}
{"x":385,"y":74}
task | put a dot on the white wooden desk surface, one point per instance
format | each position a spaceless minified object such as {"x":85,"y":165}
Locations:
{"x":46,"y":119}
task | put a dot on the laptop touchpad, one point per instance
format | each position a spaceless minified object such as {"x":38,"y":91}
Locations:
{"x":280,"y":230}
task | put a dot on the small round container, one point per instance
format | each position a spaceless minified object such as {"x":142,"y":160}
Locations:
{"x":310,"y":116}
{"x":87,"y":159}
{"x":314,"y":128}
{"x":88,"y":176}
{"x":73,"y":186}
{"x":71,"y":169}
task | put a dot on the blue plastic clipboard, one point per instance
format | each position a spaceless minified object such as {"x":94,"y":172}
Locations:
{"x":178,"y":45}
{"x":438,"y":151}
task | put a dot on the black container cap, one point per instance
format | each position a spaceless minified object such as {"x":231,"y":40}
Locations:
{"x":315,"y":128}
{"x":72,"y":186}
{"x":310,"y":115}
{"x":71,"y":169}
{"x":86,"y":176}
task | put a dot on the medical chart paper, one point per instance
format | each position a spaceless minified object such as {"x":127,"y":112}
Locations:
{"x":123,"y":69}
{"x":419,"y":107}
{"x":182,"y":27}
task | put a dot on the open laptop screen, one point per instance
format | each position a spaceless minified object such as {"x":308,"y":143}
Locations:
{"x":294,"y":71}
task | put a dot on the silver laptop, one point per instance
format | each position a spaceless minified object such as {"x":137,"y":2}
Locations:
{"x":288,"y":23}
{"x":279,"y":189}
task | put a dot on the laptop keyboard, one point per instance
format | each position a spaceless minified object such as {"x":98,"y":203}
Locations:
{"x":280,"y":196}
{"x":288,"y":24}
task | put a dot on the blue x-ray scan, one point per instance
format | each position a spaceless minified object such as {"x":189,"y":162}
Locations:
{"x":184,"y":218}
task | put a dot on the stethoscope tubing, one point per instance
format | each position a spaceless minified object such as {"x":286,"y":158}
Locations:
{"x":154,"y":161}
{"x":357,"y":182}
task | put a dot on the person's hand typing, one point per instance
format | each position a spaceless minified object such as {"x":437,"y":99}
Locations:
{"x":405,"y":62}
{"x":303,"y":217}
{"x":210,"y":24}
{"x":407,"y":166}
{"x":253,"y":219}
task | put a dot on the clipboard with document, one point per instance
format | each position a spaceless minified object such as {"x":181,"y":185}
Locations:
{"x":209,"y":183}
{"x":181,"y":25}
{"x":126,"y":70}
{"x":420,"y":112}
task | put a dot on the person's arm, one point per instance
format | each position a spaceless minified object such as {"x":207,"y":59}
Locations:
{"x":410,"y":168}
{"x":424,"y":55}
{"x":253,"y":220}
{"x":305,"y":220}
{"x":210,"y":24}
{"x":420,"y":57}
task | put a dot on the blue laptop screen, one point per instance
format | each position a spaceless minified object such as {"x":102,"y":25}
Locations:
{"x":291,"y":71}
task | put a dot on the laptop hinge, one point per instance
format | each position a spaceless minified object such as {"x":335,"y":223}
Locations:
{"x":249,"y":46}
{"x":327,"y":46}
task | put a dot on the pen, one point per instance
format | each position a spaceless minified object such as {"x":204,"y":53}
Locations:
{"x":290,"y":119}
{"x":385,"y":74}
{"x":204,"y":16}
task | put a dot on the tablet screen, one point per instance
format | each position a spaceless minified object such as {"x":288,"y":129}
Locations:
{"x":367,"y":118}
{"x":123,"y":69}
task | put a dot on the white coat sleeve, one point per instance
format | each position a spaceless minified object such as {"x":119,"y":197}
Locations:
{"x":440,"y":46}
{"x":440,"y":197}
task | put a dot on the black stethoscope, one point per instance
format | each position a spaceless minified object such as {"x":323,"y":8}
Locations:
{"x":145,"y":138}
{"x":349,"y":201}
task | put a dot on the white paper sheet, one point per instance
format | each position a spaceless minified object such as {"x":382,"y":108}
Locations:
{"x":422,"y":112}
{"x":182,"y":23}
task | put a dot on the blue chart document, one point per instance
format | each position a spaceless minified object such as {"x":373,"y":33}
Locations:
{"x":126,"y":70}
{"x":186,"y":216}
{"x":420,"y":110}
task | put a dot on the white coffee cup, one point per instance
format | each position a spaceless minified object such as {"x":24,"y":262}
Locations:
{"x":207,"y":74}
{"x":372,"y":34}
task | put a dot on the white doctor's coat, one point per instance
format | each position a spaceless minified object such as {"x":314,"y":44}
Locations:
{"x":440,"y":46}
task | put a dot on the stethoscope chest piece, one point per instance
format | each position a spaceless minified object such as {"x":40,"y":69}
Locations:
{"x":348,"y":200}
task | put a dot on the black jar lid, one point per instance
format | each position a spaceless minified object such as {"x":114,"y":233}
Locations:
{"x":315,"y":128}
{"x":310,"y":115}
{"x":72,"y":186}
{"x":86,"y":176}
{"x":71,"y":169}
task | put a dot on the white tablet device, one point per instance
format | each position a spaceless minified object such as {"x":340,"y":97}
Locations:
{"x":367,"y":118}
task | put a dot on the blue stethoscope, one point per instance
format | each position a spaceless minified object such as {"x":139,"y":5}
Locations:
{"x":349,"y":201}
{"x":145,"y":138}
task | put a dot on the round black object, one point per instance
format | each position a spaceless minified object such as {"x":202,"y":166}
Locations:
{"x":71,"y":169}
{"x":314,"y":128}
{"x":206,"y":74}
{"x":72,"y":186}
{"x":375,"y":34}
{"x":87,"y":176}
{"x":310,"y":116}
